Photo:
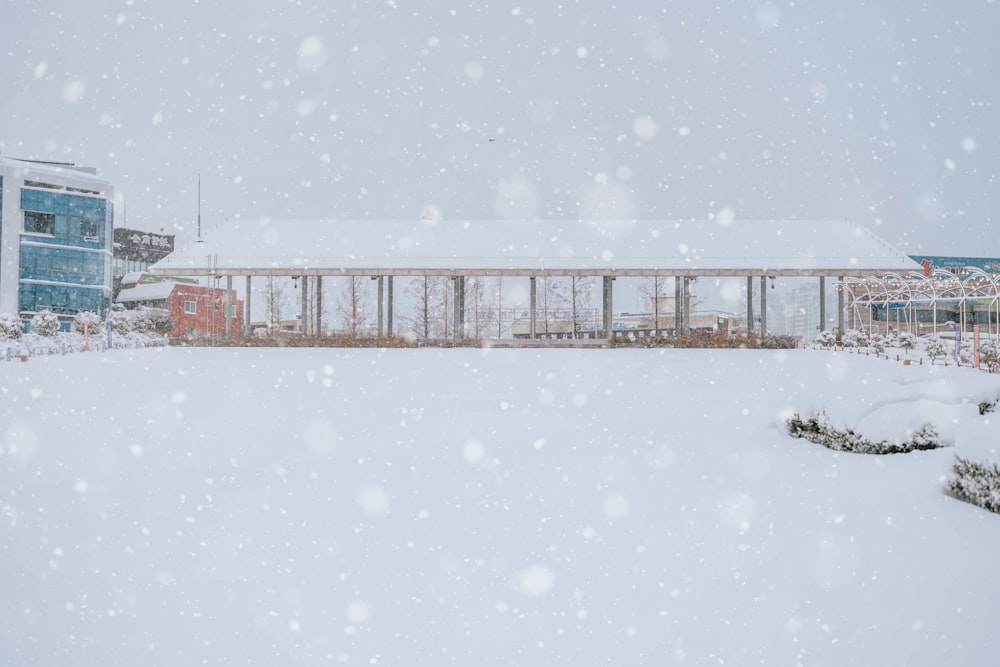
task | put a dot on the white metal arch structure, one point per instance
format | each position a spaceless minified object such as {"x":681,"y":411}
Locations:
{"x":929,"y":291}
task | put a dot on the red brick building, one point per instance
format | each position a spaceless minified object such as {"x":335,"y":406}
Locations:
{"x":195,"y":310}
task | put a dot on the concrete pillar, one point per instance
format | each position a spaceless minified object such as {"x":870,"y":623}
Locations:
{"x":304,"y":324}
{"x":319,"y":306}
{"x":380,"y":305}
{"x":388,"y":318}
{"x":822,"y":303}
{"x":229,"y":304}
{"x":763,"y":306}
{"x":533,"y":300}
{"x":840,"y":304}
{"x":677,"y":305}
{"x":459,"y":332}
{"x":246,"y":309}
{"x":749,"y":305}
{"x":687,"y":303}
{"x":608,"y":308}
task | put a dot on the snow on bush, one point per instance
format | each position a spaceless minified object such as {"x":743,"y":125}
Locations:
{"x":819,"y":430}
{"x":989,"y":356}
{"x":10,"y":326}
{"x":906,"y":340}
{"x":853,"y":338}
{"x":141,"y":320}
{"x":878,"y":343}
{"x":976,"y":483}
{"x":45,"y":323}
{"x":935,"y":348}
{"x":826,"y":339}
{"x":92,"y":319}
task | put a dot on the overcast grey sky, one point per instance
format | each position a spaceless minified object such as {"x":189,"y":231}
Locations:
{"x":881,"y":112}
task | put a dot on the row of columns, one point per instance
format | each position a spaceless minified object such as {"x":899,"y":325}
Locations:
{"x":682,"y":305}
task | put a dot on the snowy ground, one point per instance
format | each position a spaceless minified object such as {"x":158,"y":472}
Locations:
{"x":183,"y":506}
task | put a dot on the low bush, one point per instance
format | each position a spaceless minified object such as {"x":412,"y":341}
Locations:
{"x":976,"y":483}
{"x":11,"y":327}
{"x":45,"y":323}
{"x":819,"y":430}
{"x":989,"y":356}
{"x":854,"y":338}
{"x":90,"y":318}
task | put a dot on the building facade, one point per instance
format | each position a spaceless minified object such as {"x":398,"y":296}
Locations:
{"x":195,"y":310}
{"x":135,"y":251}
{"x":56,"y":224}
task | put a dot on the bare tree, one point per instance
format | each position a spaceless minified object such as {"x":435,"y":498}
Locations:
{"x":550,"y":297}
{"x":654,"y":289}
{"x":477,"y":307}
{"x":275,"y":301}
{"x":421,"y":320}
{"x":580,"y":292}
{"x":352,"y":308}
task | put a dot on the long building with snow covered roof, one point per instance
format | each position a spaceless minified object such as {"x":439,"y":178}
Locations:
{"x":604,"y":249}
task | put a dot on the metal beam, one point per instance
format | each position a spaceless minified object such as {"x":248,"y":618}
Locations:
{"x":749,"y":305}
{"x":516,"y":272}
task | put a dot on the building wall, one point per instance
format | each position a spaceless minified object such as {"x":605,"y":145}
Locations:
{"x":209,"y":318}
{"x":55,"y":239}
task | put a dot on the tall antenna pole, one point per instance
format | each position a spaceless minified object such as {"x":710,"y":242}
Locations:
{"x":199,"y":206}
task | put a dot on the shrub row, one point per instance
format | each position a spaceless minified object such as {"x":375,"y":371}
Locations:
{"x":976,"y":483}
{"x":819,"y":430}
{"x":716,"y":339}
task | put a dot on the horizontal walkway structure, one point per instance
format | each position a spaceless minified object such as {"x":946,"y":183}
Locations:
{"x":605,"y":249}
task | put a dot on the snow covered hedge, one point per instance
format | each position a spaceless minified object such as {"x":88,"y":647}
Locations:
{"x":819,"y":430}
{"x":10,"y":326}
{"x":976,"y":483}
{"x":45,"y":323}
{"x":90,"y":318}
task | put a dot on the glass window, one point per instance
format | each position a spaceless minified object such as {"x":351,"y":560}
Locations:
{"x":39,"y":223}
{"x":191,"y":307}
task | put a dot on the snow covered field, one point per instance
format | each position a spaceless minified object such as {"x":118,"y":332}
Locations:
{"x":184,"y":506}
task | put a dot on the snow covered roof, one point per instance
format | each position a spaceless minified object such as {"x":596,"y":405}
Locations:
{"x":537,"y":247}
{"x":146,"y":292}
{"x":59,"y":173}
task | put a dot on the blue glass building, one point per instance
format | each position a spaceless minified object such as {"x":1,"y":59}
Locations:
{"x":55,"y":239}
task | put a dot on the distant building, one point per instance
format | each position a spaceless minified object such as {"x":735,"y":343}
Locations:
{"x":195,"y":310}
{"x":135,"y":251}
{"x":56,"y":223}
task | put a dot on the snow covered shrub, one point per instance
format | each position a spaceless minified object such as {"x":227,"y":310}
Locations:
{"x":826,"y":339}
{"x":159,"y":319}
{"x":121,"y":322}
{"x":878,"y":343}
{"x":45,"y":323}
{"x":92,"y":319}
{"x":976,"y":483}
{"x":906,"y":340}
{"x":10,"y":326}
{"x":853,"y":338}
{"x":965,"y":353}
{"x":819,"y":430}
{"x":989,"y":356}
{"x":935,"y":348}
